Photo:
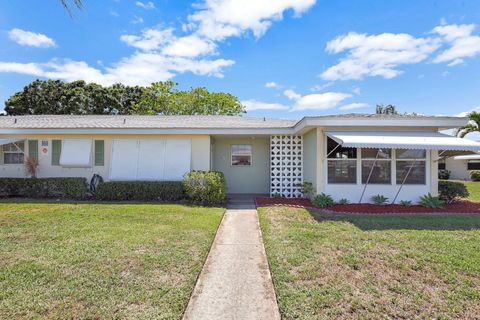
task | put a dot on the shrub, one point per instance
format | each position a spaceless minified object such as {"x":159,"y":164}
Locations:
{"x":205,"y":187}
{"x":444,"y":174}
{"x":343,"y":201}
{"x":323,"y":200}
{"x":406,"y":203}
{"x":307,"y":189}
{"x":475,"y":175}
{"x":380,"y":199}
{"x":451,"y":190}
{"x":140,"y":190}
{"x":430,"y":201}
{"x":75,"y":188}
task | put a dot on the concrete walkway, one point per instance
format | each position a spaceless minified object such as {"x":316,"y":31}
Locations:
{"x":235,"y":282}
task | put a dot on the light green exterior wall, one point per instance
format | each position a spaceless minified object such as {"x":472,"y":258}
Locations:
{"x":310,"y":157}
{"x":247,"y":179}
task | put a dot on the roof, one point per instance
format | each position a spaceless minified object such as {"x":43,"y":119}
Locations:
{"x":198,"y":124}
{"x":132,"y":121}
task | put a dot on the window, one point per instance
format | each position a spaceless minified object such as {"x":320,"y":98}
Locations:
{"x":56,"y":151}
{"x":413,"y":164}
{"x":342,"y":163}
{"x":99,"y":152}
{"x":13,"y":153}
{"x":442,"y":165}
{"x":33,"y":149}
{"x":241,"y":155}
{"x":381,"y":173}
{"x":473,"y":165}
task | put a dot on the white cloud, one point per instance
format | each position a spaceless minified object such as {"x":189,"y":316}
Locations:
{"x":32,"y":39}
{"x":376,"y":55}
{"x":316,"y":101}
{"x":137,"y":20}
{"x":150,"y":40}
{"x":357,"y":90}
{"x":320,"y":87}
{"x":161,"y":54}
{"x":271,"y":85}
{"x":219,"y":19}
{"x":253,"y":104}
{"x":462,"y":43}
{"x":353,"y":106}
{"x":190,"y":46}
{"x":145,"y":5}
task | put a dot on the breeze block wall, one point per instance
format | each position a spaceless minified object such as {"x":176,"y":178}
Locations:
{"x":286,"y":163}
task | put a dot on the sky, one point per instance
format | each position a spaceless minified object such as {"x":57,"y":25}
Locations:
{"x":281,"y":58}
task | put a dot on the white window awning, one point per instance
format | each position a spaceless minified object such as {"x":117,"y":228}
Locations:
{"x":76,"y":153}
{"x":8,"y":141}
{"x":403,"y":140}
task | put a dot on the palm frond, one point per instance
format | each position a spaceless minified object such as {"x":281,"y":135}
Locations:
{"x":66,"y":5}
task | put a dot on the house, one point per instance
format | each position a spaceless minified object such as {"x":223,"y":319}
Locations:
{"x":351,"y":156}
{"x":460,"y":166}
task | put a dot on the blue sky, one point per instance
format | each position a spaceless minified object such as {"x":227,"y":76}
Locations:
{"x":283,"y":58}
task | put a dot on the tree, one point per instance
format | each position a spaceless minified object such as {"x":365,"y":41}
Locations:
{"x":388,"y":109}
{"x":79,"y":97}
{"x":473,"y":125}
{"x":162,"y":98}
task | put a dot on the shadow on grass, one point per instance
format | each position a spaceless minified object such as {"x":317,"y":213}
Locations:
{"x":405,"y":222}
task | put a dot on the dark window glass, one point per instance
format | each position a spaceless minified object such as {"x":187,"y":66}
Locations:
{"x":380,"y":174}
{"x":340,"y":152}
{"x":442,"y":165}
{"x":241,"y":155}
{"x":342,"y":171}
{"x":416,"y":175}
{"x":473,"y":165}
{"x":372,"y":153}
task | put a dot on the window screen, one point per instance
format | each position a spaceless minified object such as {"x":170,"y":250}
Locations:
{"x":241,"y":155}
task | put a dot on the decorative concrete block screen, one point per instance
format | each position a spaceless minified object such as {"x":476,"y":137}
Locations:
{"x":286,"y":165}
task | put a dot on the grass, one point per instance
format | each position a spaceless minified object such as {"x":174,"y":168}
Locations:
{"x":373,"y":267}
{"x":473,"y":188}
{"x":101,"y":261}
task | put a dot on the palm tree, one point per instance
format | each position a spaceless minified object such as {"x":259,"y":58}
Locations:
{"x":66,"y":5}
{"x":472,"y":126}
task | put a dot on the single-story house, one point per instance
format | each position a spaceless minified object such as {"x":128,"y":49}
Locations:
{"x":351,"y":156}
{"x":460,"y":166}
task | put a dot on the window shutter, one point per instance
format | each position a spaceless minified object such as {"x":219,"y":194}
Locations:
{"x":33,"y":149}
{"x":99,"y":152}
{"x":56,"y":151}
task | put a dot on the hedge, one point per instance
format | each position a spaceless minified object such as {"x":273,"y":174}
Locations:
{"x":205,"y":187}
{"x":75,"y":188}
{"x":451,"y":190}
{"x":140,"y":190}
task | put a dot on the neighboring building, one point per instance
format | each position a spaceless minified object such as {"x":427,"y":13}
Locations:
{"x":339,"y":154}
{"x":460,"y":166}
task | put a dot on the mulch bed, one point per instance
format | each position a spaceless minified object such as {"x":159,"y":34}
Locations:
{"x":366,"y":208}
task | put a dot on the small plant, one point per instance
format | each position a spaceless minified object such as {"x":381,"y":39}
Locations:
{"x":307,"y":189}
{"x":449,"y":191}
{"x":430,"y":201}
{"x":475,"y":175}
{"x":444,"y":174}
{"x":323,"y":200}
{"x":343,"y":201}
{"x":406,"y":203}
{"x":380,"y":199}
{"x":31,"y":166}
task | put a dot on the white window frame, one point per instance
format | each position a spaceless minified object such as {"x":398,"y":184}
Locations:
{"x":17,"y":150}
{"x":357,"y":171}
{"x":392,"y":151}
{"x":426,"y":166}
{"x":232,"y":154}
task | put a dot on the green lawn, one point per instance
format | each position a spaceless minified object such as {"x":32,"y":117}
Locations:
{"x":99,"y":261}
{"x":373,"y":267}
{"x":474,"y":189}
